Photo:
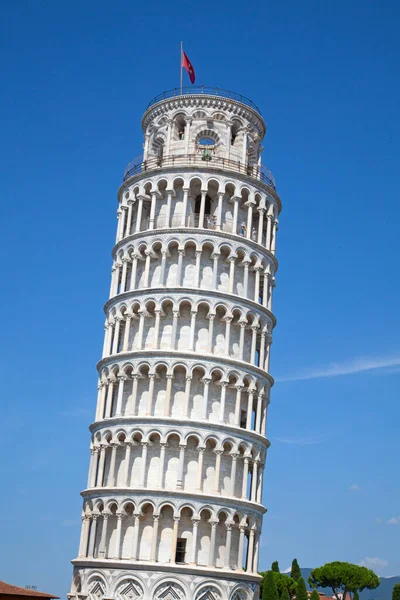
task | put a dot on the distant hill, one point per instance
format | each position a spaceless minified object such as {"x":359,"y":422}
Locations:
{"x":382,"y":592}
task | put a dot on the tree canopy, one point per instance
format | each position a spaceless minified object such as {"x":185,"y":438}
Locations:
{"x":285,"y":595}
{"x":275,"y":567}
{"x":343,"y":577}
{"x":295,"y":572}
{"x":396,"y":592}
{"x":270,"y":591}
{"x":315,"y":595}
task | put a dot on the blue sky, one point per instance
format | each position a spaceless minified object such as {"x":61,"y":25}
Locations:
{"x":76,"y":78}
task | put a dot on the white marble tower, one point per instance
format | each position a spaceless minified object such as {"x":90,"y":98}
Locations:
{"x":173,"y":507}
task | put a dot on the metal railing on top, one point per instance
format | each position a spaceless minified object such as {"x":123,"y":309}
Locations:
{"x":138,"y":165}
{"x":203,"y":89}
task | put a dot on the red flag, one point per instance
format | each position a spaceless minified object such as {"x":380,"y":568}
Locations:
{"x":189,"y":67}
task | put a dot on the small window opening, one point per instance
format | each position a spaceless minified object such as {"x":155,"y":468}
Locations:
{"x":207,"y":206}
{"x":180,"y":550}
{"x":243,"y":419}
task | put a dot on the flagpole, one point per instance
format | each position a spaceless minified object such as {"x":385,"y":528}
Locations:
{"x":180,"y":66}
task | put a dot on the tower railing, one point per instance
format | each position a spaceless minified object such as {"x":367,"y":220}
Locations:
{"x":207,"y":90}
{"x":138,"y":165}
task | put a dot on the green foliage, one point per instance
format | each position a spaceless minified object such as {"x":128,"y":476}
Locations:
{"x":343,"y":577}
{"x":275,"y":567}
{"x":356,"y":595}
{"x":285,"y":595}
{"x":295,"y":572}
{"x":396,"y":592}
{"x":270,"y":591}
{"x":315,"y":595}
{"x":301,"y":592}
{"x":284,"y":582}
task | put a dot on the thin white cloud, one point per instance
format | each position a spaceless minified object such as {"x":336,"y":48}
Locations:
{"x":356,"y":365}
{"x":305,"y":441}
{"x":394,"y":521}
{"x":374,"y":563}
{"x":354,"y":488}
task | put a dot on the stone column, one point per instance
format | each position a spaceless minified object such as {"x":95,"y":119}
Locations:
{"x":111,"y":473}
{"x":261,"y":212}
{"x":211,"y":556}
{"x":238,"y":404}
{"x":181,"y":254}
{"x":265,"y":290}
{"x":144,"y":464}
{"x":124,"y":273}
{"x":100,"y":472}
{"x":167,"y":409}
{"x":133,"y":399}
{"x":127,"y":465}
{"x":256,"y":551}
{"x":261,"y":360}
{"x":93,"y":531}
{"x":121,"y":382}
{"x":156,"y":519}
{"x":197,"y":271}
{"x":187,"y":396}
{"x":199,"y":486}
{"x":254,"y":329}
{"x":233,"y":473}
{"x":122,"y":223}
{"x":195,"y":522}
{"x":268,"y":235}
{"x":163,"y":264}
{"x":218,"y":454}
{"x":232,"y":260}
{"x":179,"y":481}
{"x":175,"y":314}
{"x":249,"y":219}
{"x":116,"y":335}
{"x":133,"y":272}
{"x":235,"y":200}
{"x":219,"y":210}
{"x":152,"y":209}
{"x":228,"y":321}
{"x":215,"y":258}
{"x":103,"y":539}
{"x":128,"y":319}
{"x":118,"y":537}
{"x":254,"y":480}
{"x":94,"y":462}
{"x":139,"y":215}
{"x":202,"y":208}
{"x":273,"y":240}
{"x":193,"y":314}
{"x":83,"y":544}
{"x":163,"y":446}
{"x":142,"y":315}
{"x":245,"y":476}
{"x":174,"y":540}
{"x":184,"y":206}
{"x":259,"y":412}
{"x":135,"y":537}
{"x":268,"y":351}
{"x":157,"y":313}
{"x":228,"y":545}
{"x":249,"y":415}
{"x":168,"y":215}
{"x":224,"y":385}
{"x":246,"y":264}
{"x":109,"y":398}
{"x":243,"y":325}
{"x":250,"y":552}
{"x":257,"y":284}
{"x":205,"y":397}
{"x":242,"y":529}
{"x":149,"y":410}
{"x":147,"y":268}
{"x":211,"y":318}
{"x":129,"y":218}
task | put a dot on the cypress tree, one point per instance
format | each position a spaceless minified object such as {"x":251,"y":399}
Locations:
{"x":396,"y":592}
{"x":301,"y":592}
{"x":356,"y":595}
{"x":285,"y":594}
{"x":314,"y":595}
{"x":275,"y":567}
{"x":270,"y":591}
{"x":295,"y":572}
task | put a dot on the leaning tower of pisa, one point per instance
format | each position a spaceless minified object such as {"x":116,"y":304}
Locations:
{"x":173,"y":505}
